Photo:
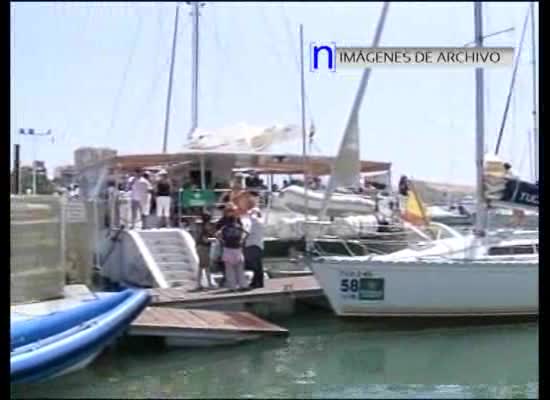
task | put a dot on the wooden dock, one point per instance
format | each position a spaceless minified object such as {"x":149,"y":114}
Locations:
{"x":191,"y":327}
{"x":294,"y":287}
{"x":278,"y":298}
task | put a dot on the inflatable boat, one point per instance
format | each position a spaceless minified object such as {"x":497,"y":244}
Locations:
{"x":56,"y":344}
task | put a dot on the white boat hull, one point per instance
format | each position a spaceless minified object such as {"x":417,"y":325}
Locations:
{"x":430,"y":289}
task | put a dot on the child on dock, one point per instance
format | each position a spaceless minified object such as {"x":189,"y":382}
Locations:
{"x":232,"y":236}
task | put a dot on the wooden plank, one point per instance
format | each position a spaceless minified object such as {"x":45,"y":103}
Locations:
{"x":173,"y":320}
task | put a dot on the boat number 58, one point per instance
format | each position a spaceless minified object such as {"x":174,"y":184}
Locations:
{"x":349,"y":285}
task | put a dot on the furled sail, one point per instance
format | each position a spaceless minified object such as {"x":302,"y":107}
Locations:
{"x":242,"y":137}
{"x":347,"y":167}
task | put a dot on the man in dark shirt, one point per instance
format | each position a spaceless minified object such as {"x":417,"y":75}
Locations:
{"x":163,"y":195}
{"x":254,"y":181}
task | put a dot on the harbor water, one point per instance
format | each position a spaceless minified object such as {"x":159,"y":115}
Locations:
{"x":324,"y":357}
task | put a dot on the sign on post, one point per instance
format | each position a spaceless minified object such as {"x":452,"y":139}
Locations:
{"x":199,"y":198}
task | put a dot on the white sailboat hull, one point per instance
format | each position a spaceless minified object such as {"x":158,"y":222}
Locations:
{"x":430,"y":288}
{"x":293,"y":198}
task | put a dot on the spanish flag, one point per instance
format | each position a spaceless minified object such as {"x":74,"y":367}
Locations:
{"x":415,"y":212}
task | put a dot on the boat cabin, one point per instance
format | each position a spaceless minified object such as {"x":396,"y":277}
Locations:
{"x":514,"y":248}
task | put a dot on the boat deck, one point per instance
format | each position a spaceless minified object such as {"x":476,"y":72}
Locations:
{"x":296,"y":288}
{"x":191,"y":327}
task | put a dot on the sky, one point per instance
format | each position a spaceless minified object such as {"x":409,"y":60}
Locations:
{"x":96,"y":74}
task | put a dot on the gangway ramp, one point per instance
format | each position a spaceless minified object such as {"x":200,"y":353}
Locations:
{"x":158,"y":258}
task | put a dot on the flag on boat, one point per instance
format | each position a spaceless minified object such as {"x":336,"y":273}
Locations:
{"x":415,"y":211}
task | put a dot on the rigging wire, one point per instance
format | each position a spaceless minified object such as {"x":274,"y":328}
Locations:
{"x":51,"y":75}
{"x":158,"y":74}
{"x":267,"y":23}
{"x":274,"y":44}
{"x":513,"y":121}
{"x":153,"y":90}
{"x":512,"y":83}
{"x":127,"y":66}
{"x":487,"y":93}
{"x":83,"y":21}
{"x":246,"y":84}
{"x":296,"y":52}
{"x":218,"y":80}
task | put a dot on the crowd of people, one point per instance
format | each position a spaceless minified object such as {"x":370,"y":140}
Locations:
{"x":232,"y":244}
{"x":153,"y":194}
{"x":147,"y":195}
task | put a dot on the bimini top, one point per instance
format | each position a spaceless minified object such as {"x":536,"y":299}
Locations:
{"x":262,"y":162}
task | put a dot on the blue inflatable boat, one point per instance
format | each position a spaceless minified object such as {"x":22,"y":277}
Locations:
{"x":56,"y":344}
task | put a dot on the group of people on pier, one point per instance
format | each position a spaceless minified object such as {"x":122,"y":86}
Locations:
{"x":235,"y":241}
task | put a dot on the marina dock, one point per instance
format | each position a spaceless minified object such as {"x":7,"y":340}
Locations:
{"x":192,"y":327}
{"x":279,"y":296}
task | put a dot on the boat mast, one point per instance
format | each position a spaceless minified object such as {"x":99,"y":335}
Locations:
{"x":481,"y":210}
{"x":534,"y":65}
{"x":195,"y":5}
{"x":304,"y":140}
{"x":170,"y":81}
{"x":195,"y":67}
{"x":304,"y":135}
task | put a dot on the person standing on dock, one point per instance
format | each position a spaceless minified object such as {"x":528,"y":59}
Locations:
{"x":216,"y":249}
{"x":141,"y":199}
{"x":232,"y":236}
{"x":207,"y":230}
{"x":163,"y":195}
{"x":254,"y":245}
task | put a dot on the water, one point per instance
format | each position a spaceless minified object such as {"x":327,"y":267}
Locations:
{"x":324,"y":357}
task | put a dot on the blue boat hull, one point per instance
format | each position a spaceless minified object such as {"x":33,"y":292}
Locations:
{"x":53,"y":345}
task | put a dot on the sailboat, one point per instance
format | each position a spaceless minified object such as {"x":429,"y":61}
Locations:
{"x":459,"y":276}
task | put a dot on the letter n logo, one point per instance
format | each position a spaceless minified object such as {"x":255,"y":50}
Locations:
{"x":321,"y":55}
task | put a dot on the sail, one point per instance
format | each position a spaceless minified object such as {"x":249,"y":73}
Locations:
{"x":347,"y":166}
